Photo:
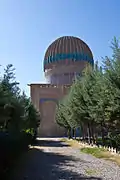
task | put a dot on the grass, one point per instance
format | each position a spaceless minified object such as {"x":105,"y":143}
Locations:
{"x":71,"y":142}
{"x":101,"y":153}
{"x":91,"y":172}
{"x":97,"y":152}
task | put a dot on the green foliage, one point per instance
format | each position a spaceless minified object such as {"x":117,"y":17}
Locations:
{"x":93,"y":103}
{"x":61,"y":116}
{"x":17,"y":113}
{"x":18,"y":119}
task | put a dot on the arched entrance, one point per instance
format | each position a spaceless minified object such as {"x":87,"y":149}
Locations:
{"x":48,"y":126}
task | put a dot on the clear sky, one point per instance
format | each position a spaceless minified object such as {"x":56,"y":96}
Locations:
{"x":27,"y":27}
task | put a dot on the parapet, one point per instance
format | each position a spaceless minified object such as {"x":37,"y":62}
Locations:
{"x":50,"y":85}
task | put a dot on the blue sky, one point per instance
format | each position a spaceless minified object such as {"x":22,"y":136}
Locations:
{"x":27,"y":27}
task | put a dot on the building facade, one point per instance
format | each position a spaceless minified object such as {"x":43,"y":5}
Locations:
{"x":64,"y":60}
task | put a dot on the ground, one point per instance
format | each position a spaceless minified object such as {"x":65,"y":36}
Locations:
{"x":53,"y":159}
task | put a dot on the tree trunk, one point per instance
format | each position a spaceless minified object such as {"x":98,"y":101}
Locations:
{"x":80,"y":132}
{"x":75,"y":133}
{"x":89,"y":134}
{"x":83,"y":133}
{"x":69,"y":133}
{"x":102,"y":134}
{"x":93,"y":134}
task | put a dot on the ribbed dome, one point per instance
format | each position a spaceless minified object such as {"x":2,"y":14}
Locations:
{"x":67,"y":47}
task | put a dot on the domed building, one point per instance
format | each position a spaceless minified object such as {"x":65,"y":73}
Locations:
{"x":64,"y":60}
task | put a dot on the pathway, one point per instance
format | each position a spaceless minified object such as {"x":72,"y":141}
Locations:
{"x":52,"y":159}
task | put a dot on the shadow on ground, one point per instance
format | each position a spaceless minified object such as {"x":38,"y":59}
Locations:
{"x":39,"y":165}
{"x":50,"y":143}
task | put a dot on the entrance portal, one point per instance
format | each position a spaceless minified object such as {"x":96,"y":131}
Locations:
{"x":48,"y":126}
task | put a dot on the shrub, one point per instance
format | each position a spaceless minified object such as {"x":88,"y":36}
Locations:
{"x":11,"y":147}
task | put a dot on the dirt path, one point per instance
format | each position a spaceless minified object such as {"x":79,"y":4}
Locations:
{"x":52,"y":159}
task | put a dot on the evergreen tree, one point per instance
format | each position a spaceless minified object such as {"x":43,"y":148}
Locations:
{"x":17,"y":113}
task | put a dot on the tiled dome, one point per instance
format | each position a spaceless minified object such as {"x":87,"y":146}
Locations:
{"x":67,"y":48}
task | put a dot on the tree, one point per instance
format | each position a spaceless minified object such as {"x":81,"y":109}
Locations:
{"x":17,"y":113}
{"x":93,"y":103}
{"x":61,"y":117}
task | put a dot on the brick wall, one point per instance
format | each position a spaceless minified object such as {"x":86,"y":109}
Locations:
{"x":44,"y":98}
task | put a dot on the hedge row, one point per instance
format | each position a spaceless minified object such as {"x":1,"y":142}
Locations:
{"x":11,"y":146}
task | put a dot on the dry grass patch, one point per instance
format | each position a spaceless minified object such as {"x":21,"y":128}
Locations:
{"x":101,"y":153}
{"x":91,"y":172}
{"x":72,"y":142}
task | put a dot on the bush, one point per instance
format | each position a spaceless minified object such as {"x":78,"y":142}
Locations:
{"x":11,"y":146}
{"x":107,"y":141}
{"x":18,"y":119}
